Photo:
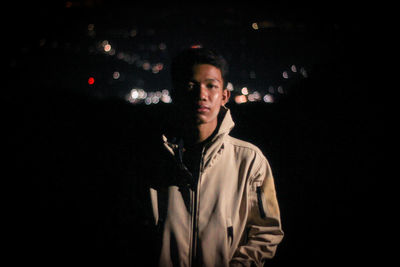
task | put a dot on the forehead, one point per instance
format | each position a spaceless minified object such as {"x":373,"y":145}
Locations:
{"x":206,"y":72}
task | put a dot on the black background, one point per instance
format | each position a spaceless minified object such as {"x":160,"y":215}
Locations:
{"x":75,"y":152}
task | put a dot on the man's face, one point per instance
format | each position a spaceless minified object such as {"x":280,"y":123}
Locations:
{"x":204,"y":94}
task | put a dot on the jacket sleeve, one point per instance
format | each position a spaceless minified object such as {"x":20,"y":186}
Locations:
{"x":264,"y":231}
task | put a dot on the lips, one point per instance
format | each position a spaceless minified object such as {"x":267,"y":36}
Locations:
{"x":202,"y":108}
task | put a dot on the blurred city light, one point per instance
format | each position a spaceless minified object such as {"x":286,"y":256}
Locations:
{"x":263,"y":25}
{"x":239,"y":99}
{"x":134,"y":94}
{"x":146,"y":65}
{"x":116,"y":75}
{"x":229,"y":86}
{"x":255,"y":96}
{"x":303,"y":72}
{"x":285,"y":75}
{"x":91,"y":80}
{"x":196,"y":46}
{"x":107,"y":48}
{"x":271,"y":89}
{"x":268,"y":98}
{"x":127,"y":55}
{"x":140,"y":96}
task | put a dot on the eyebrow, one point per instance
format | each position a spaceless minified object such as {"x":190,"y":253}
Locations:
{"x":212,"y":79}
{"x":207,"y":80}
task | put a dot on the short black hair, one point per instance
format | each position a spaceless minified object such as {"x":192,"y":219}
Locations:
{"x":182,"y":64}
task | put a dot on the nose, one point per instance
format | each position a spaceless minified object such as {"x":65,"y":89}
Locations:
{"x":203,"y":92}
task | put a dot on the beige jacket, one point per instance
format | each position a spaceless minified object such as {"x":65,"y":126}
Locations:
{"x":230,"y":218}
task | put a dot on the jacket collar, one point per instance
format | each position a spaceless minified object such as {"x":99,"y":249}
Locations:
{"x":225,"y":125}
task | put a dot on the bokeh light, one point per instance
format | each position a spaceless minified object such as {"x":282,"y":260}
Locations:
{"x":91,"y":81}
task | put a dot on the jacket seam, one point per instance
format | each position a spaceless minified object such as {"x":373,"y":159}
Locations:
{"x":257,"y":171}
{"x":258,"y":155}
{"x":229,"y":139}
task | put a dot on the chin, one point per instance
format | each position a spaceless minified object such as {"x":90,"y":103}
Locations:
{"x":200,"y":120}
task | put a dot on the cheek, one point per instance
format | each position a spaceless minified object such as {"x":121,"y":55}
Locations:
{"x":216,"y":99}
{"x":216,"y":103}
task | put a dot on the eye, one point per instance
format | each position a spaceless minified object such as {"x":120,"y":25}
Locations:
{"x":190,"y":86}
{"x":212,"y":86}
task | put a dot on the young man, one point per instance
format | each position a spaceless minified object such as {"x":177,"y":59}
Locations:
{"x":214,"y":201}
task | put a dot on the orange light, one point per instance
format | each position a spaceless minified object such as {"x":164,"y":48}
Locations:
{"x":196,"y":46}
{"x":107,"y":48}
{"x":91,"y":80}
{"x":239,"y":99}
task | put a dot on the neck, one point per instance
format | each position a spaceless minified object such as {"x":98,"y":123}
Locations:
{"x":198,"y":133}
{"x":205,"y":130}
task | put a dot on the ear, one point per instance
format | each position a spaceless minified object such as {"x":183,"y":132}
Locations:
{"x":226,"y":94}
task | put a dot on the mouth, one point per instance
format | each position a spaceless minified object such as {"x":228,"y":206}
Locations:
{"x":202,"y":108}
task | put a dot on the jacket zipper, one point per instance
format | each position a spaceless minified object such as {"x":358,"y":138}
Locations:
{"x":195,"y":215}
{"x":193,"y":233}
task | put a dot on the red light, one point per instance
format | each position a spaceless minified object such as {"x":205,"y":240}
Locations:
{"x":90,"y":80}
{"x":196,"y":46}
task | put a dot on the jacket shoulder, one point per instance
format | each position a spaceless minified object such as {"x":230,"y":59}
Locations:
{"x":245,"y":151}
{"x":245,"y":147}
